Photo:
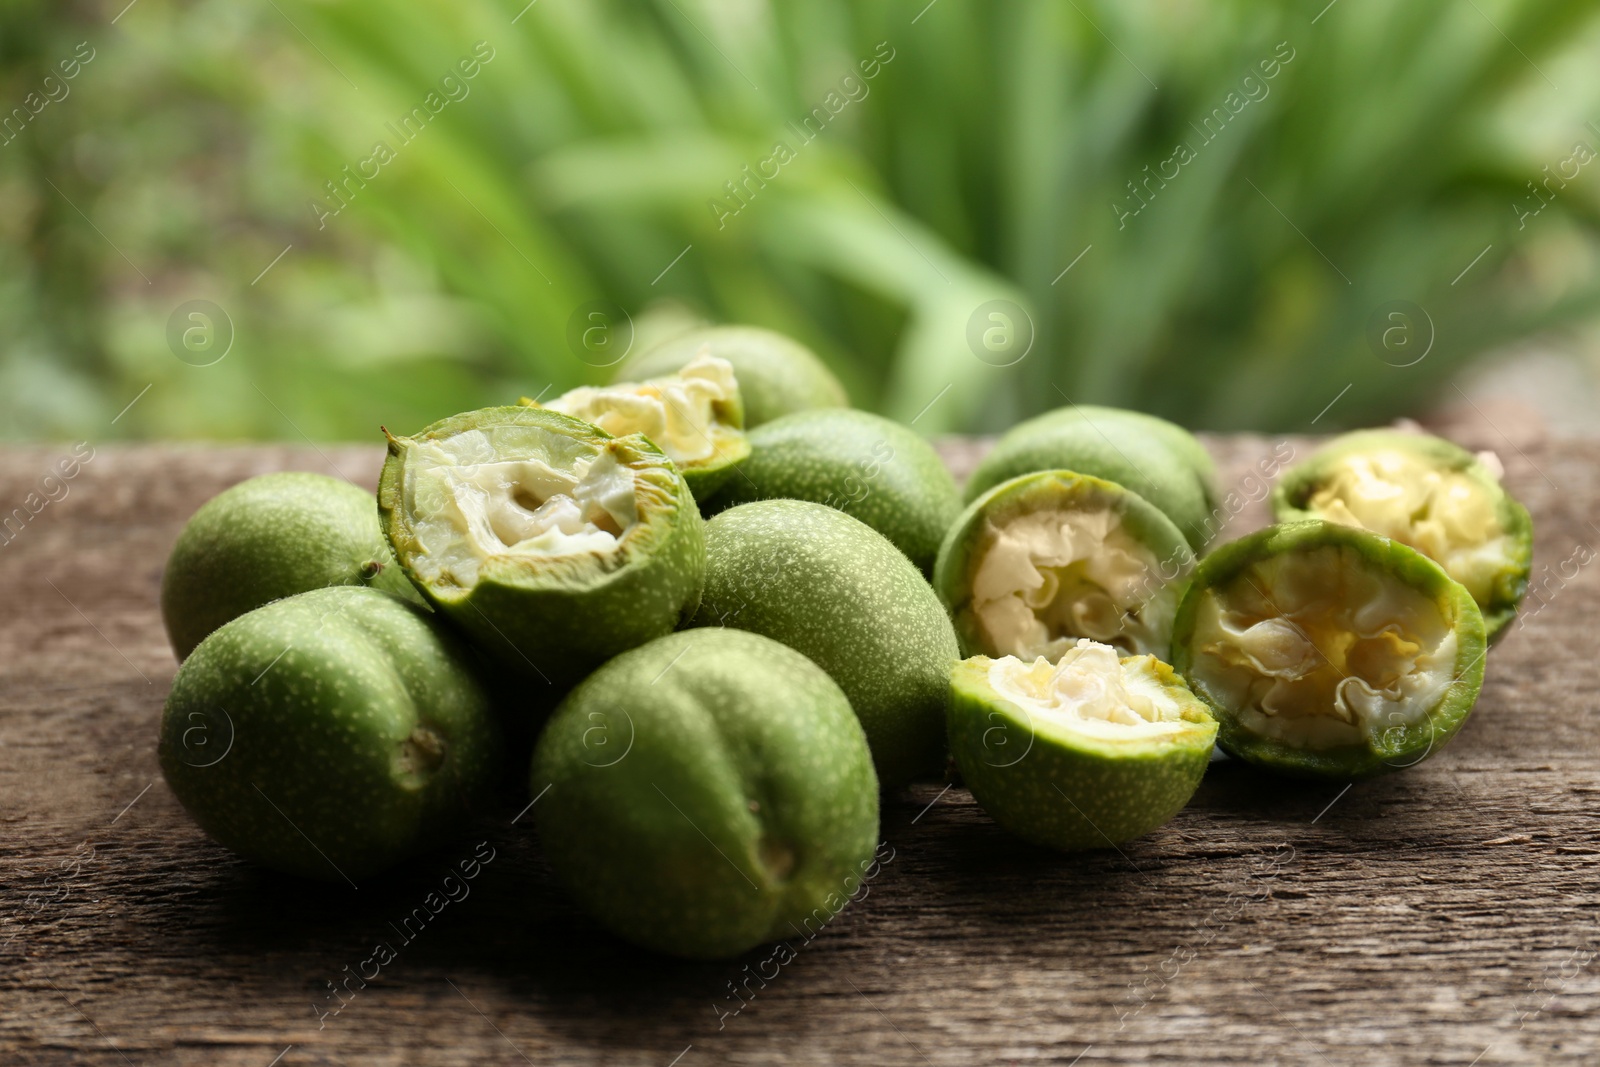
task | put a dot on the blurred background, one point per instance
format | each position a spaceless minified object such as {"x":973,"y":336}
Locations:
{"x":290,"y":218}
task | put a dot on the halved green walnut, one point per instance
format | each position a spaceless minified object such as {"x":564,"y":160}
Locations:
{"x":777,"y":374}
{"x":1086,"y":752}
{"x":1424,"y":492}
{"x":695,"y":416}
{"x":1157,"y":459}
{"x":1042,"y":560}
{"x":1329,"y":652}
{"x":553,"y":544}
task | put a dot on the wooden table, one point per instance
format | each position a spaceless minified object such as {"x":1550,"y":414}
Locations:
{"x":1445,"y":915}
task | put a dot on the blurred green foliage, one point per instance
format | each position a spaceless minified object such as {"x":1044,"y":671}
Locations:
{"x":992,"y":147}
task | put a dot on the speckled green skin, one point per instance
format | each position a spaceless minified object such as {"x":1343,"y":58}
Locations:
{"x":955,"y":568}
{"x":554,"y":619}
{"x":835,"y":590}
{"x":865,"y":465}
{"x":267,"y":538}
{"x":1067,"y":791}
{"x":305,"y":726}
{"x":708,"y":792}
{"x":1300,"y":482}
{"x":777,"y":375}
{"x":1400,"y":746}
{"x":1160,"y":461}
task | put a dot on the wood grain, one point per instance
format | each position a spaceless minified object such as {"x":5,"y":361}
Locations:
{"x":1446,"y":915}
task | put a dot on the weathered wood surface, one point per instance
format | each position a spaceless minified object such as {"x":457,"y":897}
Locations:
{"x":1446,"y":915}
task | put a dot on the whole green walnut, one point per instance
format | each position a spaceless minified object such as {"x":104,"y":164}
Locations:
{"x":705,"y":793}
{"x":330,"y":734}
{"x":273,"y":536}
{"x":867,"y":466}
{"x":837,"y":591}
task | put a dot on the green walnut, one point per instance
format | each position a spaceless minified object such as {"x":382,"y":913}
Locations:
{"x":777,"y":375}
{"x":1086,"y":752}
{"x":553,"y":544}
{"x":1040,"y":561}
{"x":1158,"y":460}
{"x":267,"y":538}
{"x":863,"y":464}
{"x":1329,"y":652}
{"x":1424,"y":492}
{"x":708,"y":792}
{"x":330,"y":735}
{"x":695,"y":416}
{"x":837,"y":591}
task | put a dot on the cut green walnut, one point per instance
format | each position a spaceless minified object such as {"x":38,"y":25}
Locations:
{"x":695,"y":416}
{"x":330,"y":735}
{"x":269,"y":537}
{"x":551,"y":543}
{"x":1159,"y":460}
{"x":1329,"y":652}
{"x":865,"y":465}
{"x":1424,"y":492}
{"x":1045,"y":559}
{"x":1087,"y":752}
{"x":708,"y":792}
{"x":777,"y":375}
{"x":837,"y":591}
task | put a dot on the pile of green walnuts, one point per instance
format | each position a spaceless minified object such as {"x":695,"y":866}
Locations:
{"x":725,"y":611}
